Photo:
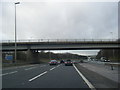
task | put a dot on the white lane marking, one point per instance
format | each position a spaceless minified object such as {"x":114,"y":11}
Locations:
{"x":58,"y":65}
{"x":83,"y":77}
{"x":8,"y":73}
{"x":52,"y":68}
{"x":3,"y":74}
{"x":17,"y":67}
{"x":43,"y":66}
{"x":37,"y":76}
{"x":22,"y":66}
{"x":13,"y":72}
{"x":30,"y":68}
{"x":27,"y":66}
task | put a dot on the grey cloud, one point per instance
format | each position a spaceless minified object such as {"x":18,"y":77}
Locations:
{"x":61,"y":20}
{"x":70,"y":20}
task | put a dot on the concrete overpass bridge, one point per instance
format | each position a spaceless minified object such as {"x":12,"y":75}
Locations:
{"x":59,"y":44}
{"x":31,"y":47}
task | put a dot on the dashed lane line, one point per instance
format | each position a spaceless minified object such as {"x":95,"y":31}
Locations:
{"x":13,"y":72}
{"x":4,"y":74}
{"x":58,"y":65}
{"x":8,"y":73}
{"x":83,"y":77}
{"x":34,"y":67}
{"x":43,"y":66}
{"x":52,"y":68}
{"x":37,"y":76}
{"x":17,"y":67}
{"x":30,"y":68}
{"x":41,"y":74}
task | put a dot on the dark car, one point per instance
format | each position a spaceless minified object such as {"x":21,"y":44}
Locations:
{"x":106,"y":60}
{"x":62,"y":61}
{"x":53,"y":62}
{"x":68,"y":63}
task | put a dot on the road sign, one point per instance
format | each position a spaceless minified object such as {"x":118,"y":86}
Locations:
{"x":9,"y":57}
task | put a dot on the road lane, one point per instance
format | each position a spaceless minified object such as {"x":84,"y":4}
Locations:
{"x":85,"y":79}
{"x":22,"y":76}
{"x":58,"y":76}
{"x":61,"y":77}
{"x":37,"y":76}
{"x":19,"y":68}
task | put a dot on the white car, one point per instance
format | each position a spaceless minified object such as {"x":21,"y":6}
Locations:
{"x":53,"y":62}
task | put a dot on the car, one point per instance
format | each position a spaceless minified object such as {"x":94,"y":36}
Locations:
{"x":106,"y":60}
{"x":68,"y":63}
{"x":58,"y":62}
{"x":81,"y":61}
{"x":62,"y":61}
{"x":53,"y":62}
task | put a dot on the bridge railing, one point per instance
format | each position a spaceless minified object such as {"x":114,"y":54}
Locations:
{"x":58,"y":40}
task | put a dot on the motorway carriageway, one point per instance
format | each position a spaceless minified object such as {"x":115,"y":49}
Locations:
{"x":44,"y":76}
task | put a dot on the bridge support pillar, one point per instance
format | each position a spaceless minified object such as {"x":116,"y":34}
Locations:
{"x":29,"y":55}
{"x":32,"y":56}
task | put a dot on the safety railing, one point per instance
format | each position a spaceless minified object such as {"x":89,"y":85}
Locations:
{"x":59,"y":40}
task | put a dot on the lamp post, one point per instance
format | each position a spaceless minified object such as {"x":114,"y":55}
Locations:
{"x":49,"y":55}
{"x":112,"y":35}
{"x":15,"y":34}
{"x":112,"y":40}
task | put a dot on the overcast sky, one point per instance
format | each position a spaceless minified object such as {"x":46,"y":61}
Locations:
{"x":60,"y":20}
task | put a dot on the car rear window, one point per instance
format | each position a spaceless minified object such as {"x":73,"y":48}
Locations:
{"x":69,"y":60}
{"x":53,"y":61}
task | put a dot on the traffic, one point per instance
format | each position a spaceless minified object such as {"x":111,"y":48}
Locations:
{"x":67,"y":62}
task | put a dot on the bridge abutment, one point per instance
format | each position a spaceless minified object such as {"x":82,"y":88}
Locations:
{"x":33,"y":56}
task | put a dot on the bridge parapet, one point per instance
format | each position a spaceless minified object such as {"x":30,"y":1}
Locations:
{"x":58,"y":44}
{"x":60,"y":40}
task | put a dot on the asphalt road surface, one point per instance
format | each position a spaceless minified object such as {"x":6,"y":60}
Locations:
{"x":42,"y":76}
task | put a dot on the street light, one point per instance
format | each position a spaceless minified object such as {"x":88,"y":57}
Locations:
{"x":49,"y":55}
{"x":112,"y":40}
{"x":112,"y":35}
{"x":15,"y":33}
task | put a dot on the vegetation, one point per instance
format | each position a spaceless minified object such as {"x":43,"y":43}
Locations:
{"x":40,"y":57}
{"x":111,"y":54}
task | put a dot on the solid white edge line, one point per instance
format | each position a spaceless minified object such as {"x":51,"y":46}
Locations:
{"x":37,"y":76}
{"x":83,"y":77}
